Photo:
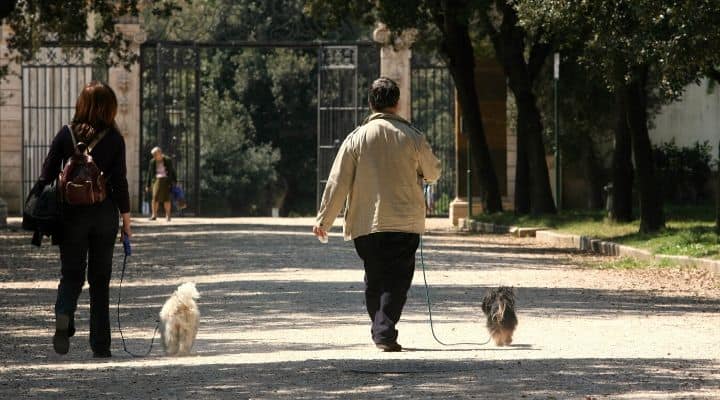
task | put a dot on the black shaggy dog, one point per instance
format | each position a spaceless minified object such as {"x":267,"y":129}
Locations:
{"x":498,"y":305}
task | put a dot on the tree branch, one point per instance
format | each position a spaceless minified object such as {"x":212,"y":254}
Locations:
{"x":713,"y":73}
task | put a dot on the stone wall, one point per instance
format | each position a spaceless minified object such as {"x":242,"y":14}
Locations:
{"x":10,"y":130}
{"x":127,"y":87}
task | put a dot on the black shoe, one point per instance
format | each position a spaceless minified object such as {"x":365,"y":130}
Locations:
{"x":102,"y":354}
{"x":152,"y":218}
{"x":389,"y":347}
{"x":61,"y":342}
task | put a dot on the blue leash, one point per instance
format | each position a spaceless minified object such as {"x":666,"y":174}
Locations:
{"x":429,"y":305}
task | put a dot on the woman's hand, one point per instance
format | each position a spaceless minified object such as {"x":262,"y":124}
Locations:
{"x":126,"y":231}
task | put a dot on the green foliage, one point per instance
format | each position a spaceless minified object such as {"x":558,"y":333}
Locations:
{"x":66,"y":23}
{"x":684,"y":171}
{"x":224,"y":20}
{"x":677,"y":39}
{"x":237,"y":174}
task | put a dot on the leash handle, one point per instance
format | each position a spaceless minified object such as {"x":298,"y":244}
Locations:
{"x":126,"y":247}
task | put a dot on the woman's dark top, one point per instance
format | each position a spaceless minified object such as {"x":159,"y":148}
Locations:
{"x":108,"y":155}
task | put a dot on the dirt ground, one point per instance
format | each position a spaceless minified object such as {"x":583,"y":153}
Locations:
{"x":283,"y":318}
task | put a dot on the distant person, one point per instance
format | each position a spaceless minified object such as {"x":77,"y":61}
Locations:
{"x":89,"y":231}
{"x":160,"y":178}
{"x":379,"y":170}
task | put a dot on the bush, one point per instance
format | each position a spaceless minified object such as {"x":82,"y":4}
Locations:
{"x":238,"y":176}
{"x":683,"y":171}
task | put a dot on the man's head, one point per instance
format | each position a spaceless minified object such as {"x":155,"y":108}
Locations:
{"x":157,"y":153}
{"x":383,"y":95}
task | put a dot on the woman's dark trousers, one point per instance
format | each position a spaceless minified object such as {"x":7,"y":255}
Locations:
{"x":88,"y":239}
{"x":389,"y":259}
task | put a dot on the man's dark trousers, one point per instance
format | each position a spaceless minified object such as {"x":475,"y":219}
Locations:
{"x":389,"y":259}
{"x":87,"y":243}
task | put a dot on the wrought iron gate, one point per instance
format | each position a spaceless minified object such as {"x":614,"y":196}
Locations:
{"x":170,"y":114}
{"x":433,"y":111}
{"x":171,"y":93}
{"x":50,"y":87}
{"x":337,"y":109}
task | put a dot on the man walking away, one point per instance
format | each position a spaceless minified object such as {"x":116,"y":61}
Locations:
{"x":379,"y":170}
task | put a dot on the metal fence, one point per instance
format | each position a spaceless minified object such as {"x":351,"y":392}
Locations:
{"x":50,"y":87}
{"x":433,"y":111}
{"x":344,"y":74}
{"x":170,"y":114}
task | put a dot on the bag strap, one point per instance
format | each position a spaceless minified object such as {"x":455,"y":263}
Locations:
{"x":92,"y":144}
{"x":72,"y":135}
{"x":97,"y":140}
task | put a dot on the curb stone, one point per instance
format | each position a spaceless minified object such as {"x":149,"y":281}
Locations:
{"x":586,"y":243}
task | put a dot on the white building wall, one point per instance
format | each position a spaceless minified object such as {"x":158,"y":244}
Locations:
{"x":694,"y":118}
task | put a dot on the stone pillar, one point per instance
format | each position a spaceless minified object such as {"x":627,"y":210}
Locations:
{"x":126,"y":84}
{"x":395,"y":55}
{"x":10,"y":129}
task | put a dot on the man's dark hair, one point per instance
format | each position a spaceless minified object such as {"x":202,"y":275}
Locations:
{"x":384,"y":93}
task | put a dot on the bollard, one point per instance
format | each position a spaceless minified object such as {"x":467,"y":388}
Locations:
{"x":609,"y":199}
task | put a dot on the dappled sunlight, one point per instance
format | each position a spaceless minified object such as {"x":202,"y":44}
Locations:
{"x":277,"y":305}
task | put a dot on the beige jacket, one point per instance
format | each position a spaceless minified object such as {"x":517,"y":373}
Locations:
{"x":379,"y":169}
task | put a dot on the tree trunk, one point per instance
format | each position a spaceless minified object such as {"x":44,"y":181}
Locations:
{"x":509,"y":44}
{"x":622,"y":168}
{"x":530,"y":127}
{"x":717,"y":196}
{"x":652,"y":218}
{"x":522,"y":178}
{"x":592,"y":176}
{"x":458,"y":48}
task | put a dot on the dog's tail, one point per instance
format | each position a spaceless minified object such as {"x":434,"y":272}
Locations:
{"x":187,"y":291}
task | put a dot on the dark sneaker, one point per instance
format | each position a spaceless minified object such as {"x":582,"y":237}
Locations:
{"x":61,"y":341}
{"x":102,"y":354}
{"x":389,"y":347}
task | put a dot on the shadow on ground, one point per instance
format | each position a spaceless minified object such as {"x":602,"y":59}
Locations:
{"x":249,"y":297}
{"x":391,"y":379}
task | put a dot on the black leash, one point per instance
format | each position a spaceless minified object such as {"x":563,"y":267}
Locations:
{"x":126,"y":246}
{"x":429,"y":306}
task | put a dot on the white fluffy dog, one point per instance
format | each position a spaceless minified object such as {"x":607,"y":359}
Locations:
{"x":179,"y":320}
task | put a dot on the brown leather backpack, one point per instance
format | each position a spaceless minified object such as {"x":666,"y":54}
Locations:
{"x":81,"y":183}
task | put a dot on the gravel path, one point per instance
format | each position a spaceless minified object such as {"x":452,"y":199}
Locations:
{"x":283,"y":318}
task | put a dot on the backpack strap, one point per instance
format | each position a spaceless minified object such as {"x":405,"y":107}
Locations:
{"x":72,"y":135}
{"x":92,"y":144}
{"x":97,"y":140}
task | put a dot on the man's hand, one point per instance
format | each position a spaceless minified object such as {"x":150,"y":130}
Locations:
{"x":319,"y":231}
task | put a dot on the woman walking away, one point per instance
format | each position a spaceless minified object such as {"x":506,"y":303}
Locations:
{"x":161,"y":175}
{"x":89,"y":225}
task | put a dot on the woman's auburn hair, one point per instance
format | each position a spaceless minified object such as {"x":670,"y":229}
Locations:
{"x":96,"y":106}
